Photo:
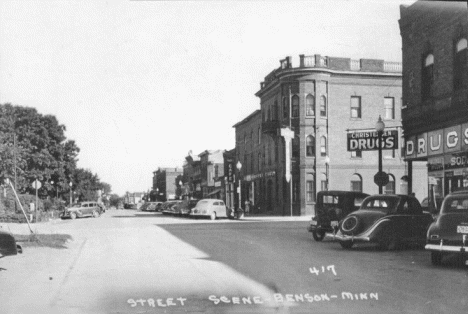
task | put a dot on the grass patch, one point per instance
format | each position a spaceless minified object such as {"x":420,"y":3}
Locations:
{"x":56,"y":241}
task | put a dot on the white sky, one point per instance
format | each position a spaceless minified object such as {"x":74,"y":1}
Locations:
{"x":140,"y":83}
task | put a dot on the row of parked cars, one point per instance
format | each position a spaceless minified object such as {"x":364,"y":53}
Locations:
{"x":212,"y":208}
{"x":391,"y":220}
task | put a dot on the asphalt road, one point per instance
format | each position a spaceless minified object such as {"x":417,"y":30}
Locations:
{"x":133,"y":262}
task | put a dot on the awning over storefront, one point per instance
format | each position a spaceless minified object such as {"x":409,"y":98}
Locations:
{"x":213,"y":192}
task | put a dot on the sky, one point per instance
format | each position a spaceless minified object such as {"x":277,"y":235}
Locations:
{"x":138,"y":84}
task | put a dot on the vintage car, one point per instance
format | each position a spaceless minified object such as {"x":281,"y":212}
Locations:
{"x":184,"y":208}
{"x":150,"y":206}
{"x":331,"y":208}
{"x":8,"y":245}
{"x":83,"y":209}
{"x":168,"y":207}
{"x":387,"y":220}
{"x":212,"y":208}
{"x":449,"y":233}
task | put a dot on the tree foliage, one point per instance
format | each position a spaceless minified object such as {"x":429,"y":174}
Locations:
{"x":35,"y":145}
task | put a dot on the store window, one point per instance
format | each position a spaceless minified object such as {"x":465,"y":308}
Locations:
{"x":356,"y":107}
{"x":323,"y":106}
{"x":390,"y":187}
{"x":389,"y":104}
{"x":295,"y":106}
{"x":310,"y":191}
{"x":285,"y":108}
{"x":356,"y":183}
{"x":460,"y":68}
{"x":427,"y":76}
{"x":310,"y":146}
{"x":310,"y":105}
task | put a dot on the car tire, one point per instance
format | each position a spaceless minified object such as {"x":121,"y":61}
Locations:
{"x":73,"y":215}
{"x":346,"y":244}
{"x":213,"y":216}
{"x":95,"y":214}
{"x":436,"y":258}
{"x":318,"y":235}
{"x":350,"y":225}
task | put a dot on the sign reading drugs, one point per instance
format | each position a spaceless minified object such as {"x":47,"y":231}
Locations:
{"x":370,"y":140}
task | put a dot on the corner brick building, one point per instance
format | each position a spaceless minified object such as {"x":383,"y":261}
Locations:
{"x":322,"y":99}
{"x":435,"y":91}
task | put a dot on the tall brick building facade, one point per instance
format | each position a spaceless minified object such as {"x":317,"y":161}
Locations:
{"x":322,"y":99}
{"x":435,"y":90}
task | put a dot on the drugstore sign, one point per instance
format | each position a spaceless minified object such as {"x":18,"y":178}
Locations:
{"x":370,"y":140}
{"x":449,"y":140}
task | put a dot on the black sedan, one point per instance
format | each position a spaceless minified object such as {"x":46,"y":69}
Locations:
{"x":387,"y":220}
{"x":8,"y":245}
{"x":449,"y":233}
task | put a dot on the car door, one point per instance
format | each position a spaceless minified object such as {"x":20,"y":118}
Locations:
{"x":419,"y":221}
{"x":222,"y":209}
{"x":84,"y":209}
{"x":402,"y":220}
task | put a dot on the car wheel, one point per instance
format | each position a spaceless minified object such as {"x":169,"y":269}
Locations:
{"x":213,"y":216}
{"x":318,"y":235}
{"x":350,"y":225}
{"x":346,"y":244}
{"x":73,"y":215}
{"x":95,"y":214}
{"x":436,"y":258}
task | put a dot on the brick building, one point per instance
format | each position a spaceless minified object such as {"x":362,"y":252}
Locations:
{"x":435,"y":90}
{"x":322,"y":100}
{"x":164,"y":183}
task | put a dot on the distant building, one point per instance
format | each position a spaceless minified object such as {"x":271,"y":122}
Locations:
{"x":164,"y":183}
{"x":435,"y":91}
{"x":192,"y":176}
{"x":323,"y":100}
{"x":211,"y":166}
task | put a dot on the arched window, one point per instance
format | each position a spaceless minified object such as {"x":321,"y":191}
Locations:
{"x":310,"y":146}
{"x":390,"y":187}
{"x":323,"y":106}
{"x":310,"y":105}
{"x":323,"y":146}
{"x":323,"y":182}
{"x":285,"y":108}
{"x":460,"y":77}
{"x":295,"y":106}
{"x":427,"y":76}
{"x":356,"y":183}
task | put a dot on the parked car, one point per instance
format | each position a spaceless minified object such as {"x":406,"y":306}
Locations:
{"x":168,"y":207}
{"x":8,"y":245}
{"x":449,"y":233}
{"x":82,"y":209}
{"x":434,"y":211}
{"x":184,"y":208}
{"x":150,"y":206}
{"x":331,"y":207}
{"x":212,"y":208}
{"x":387,"y":220}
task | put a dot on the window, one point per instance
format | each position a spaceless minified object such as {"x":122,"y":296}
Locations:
{"x":310,"y":191}
{"x":390,"y":187}
{"x":285,"y":108}
{"x":259,"y":135}
{"x":295,"y":191}
{"x":295,"y":146}
{"x":389,"y":154}
{"x":356,"y":183}
{"x":427,"y":76}
{"x":323,"y":106}
{"x":259,"y":161}
{"x":356,"y":154}
{"x":245,"y":139}
{"x":310,"y":146}
{"x":389,"y":103}
{"x":310,"y":105}
{"x":356,"y":107}
{"x":295,"y":106}
{"x":460,"y":68}
{"x":323,"y":146}
{"x":275,"y":110}
{"x":323,"y":182}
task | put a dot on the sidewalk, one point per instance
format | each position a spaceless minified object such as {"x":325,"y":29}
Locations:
{"x":254,"y":217}
{"x":23,"y":228}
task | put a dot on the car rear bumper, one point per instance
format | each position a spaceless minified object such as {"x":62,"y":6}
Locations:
{"x":446,"y":248}
{"x":352,"y":238}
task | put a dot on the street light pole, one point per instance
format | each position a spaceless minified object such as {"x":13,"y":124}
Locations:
{"x":239,"y":167}
{"x":71,"y":197}
{"x":379,"y":127}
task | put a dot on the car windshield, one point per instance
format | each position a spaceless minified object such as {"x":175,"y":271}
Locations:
{"x":455,"y":204}
{"x":332,"y":199}
{"x":386,"y":204}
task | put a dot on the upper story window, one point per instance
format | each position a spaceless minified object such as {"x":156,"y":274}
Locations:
{"x":310,"y":105}
{"x":295,"y":146}
{"x":389,"y":103}
{"x":323,"y":146}
{"x":295,"y":106}
{"x":275,"y":110}
{"x":259,"y":133}
{"x":259,"y":161}
{"x":460,"y":68}
{"x":427,"y":77}
{"x":323,"y":106}
{"x":356,"y":107}
{"x":310,"y":146}
{"x":245,"y":139}
{"x":285,"y":108}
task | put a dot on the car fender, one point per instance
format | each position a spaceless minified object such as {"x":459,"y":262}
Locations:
{"x":377,"y":228}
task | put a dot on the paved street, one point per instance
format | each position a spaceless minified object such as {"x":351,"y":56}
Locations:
{"x":133,"y":262}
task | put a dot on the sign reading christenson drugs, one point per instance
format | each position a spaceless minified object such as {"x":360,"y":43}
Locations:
{"x":370,"y":140}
